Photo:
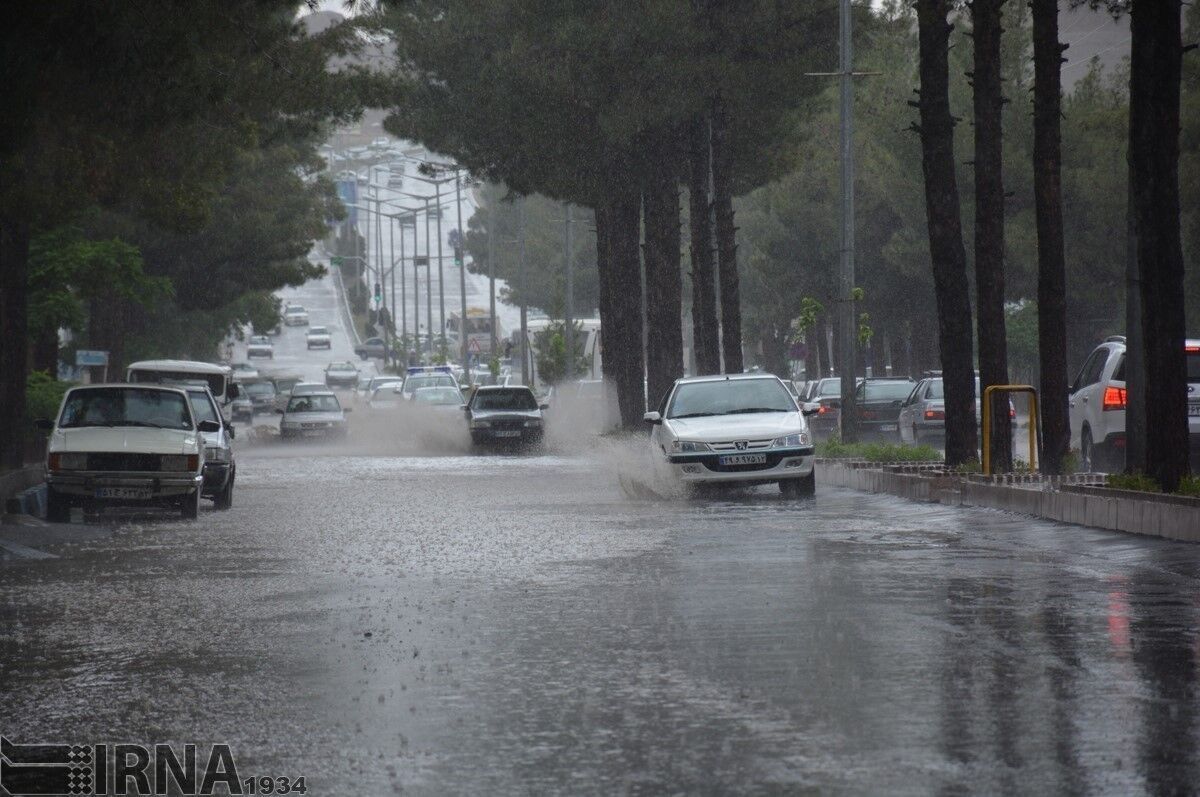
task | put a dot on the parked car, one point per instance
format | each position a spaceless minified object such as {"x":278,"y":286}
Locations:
{"x":220,"y":467}
{"x":294,"y":315}
{"x":318,"y":338}
{"x":504,"y":416}
{"x":260,"y":346}
{"x":745,"y":429}
{"x":124,"y":444}
{"x":877,"y":404}
{"x":374,"y":347}
{"x":313,"y":415}
{"x":341,"y":374}
{"x":826,"y":395}
{"x":922,"y":418}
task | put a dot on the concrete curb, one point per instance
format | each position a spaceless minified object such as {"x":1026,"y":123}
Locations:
{"x":13,"y":485}
{"x":1134,"y":515}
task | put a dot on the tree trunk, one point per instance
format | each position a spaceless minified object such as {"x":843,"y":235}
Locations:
{"x":1052,"y":273}
{"x":704,"y":300}
{"x":989,"y":222}
{"x":731,"y":303}
{"x":14,"y":339}
{"x":664,"y":284}
{"x":1156,"y":63}
{"x":1135,"y":351}
{"x":951,"y":289}
{"x":621,"y":303}
{"x":45,"y":351}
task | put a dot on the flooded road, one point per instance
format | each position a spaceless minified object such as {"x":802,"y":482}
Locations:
{"x":503,"y":624}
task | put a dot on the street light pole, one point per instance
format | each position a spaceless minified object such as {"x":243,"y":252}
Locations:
{"x":462,"y":280}
{"x":521,"y":286}
{"x":569,"y":313}
{"x":428,"y":281}
{"x":403,"y":298}
{"x":491,"y":238}
{"x":441,"y":276}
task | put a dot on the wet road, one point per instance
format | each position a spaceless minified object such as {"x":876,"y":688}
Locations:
{"x":451,"y":624}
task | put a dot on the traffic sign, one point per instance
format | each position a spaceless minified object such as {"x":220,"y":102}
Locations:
{"x":85,"y":358}
{"x":473,"y":345}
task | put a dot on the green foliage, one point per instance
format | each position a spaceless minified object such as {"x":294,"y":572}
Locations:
{"x":551,"y":346}
{"x":43,"y":395}
{"x":1189,"y":486}
{"x":1132,"y":481}
{"x":877,"y":452}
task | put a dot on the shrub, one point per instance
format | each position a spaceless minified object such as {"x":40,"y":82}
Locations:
{"x":43,"y":394}
{"x":1132,"y":481}
{"x":877,"y":452}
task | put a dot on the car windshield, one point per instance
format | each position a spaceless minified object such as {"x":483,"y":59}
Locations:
{"x":730,"y":397}
{"x":380,"y":381}
{"x":884,"y":391}
{"x":318,"y":331}
{"x":295,"y":309}
{"x":314,"y":403}
{"x":1193,"y":366}
{"x":342,"y":367}
{"x":125,"y":406}
{"x":507,"y":399}
{"x":202,"y":408}
{"x":438,"y":395}
{"x":415,"y":383}
{"x":260,"y":388}
{"x":259,"y":340}
{"x":937,"y":389}
{"x":829,"y":387}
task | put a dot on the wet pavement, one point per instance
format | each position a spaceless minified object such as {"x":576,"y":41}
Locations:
{"x":515,"y":624}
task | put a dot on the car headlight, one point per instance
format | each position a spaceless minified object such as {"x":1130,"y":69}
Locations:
{"x":688,"y":447}
{"x":792,"y":440}
{"x":215,"y":454}
{"x":534,"y":422}
{"x":179,"y":462}
{"x":68,"y":461}
{"x":481,"y":424}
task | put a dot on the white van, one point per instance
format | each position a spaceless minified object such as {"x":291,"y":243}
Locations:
{"x":219,"y":378}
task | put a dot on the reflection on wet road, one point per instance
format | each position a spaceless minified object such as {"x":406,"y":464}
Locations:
{"x":514,"y":624}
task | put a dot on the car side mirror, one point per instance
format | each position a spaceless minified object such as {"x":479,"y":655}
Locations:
{"x":465,"y":407}
{"x":347,"y":410}
{"x":233,"y":392}
{"x":652,"y":417}
{"x":209,"y":426}
{"x":543,"y":406}
{"x":45,"y":424}
{"x":810,"y":408}
{"x":232,"y":431}
{"x":279,"y":412}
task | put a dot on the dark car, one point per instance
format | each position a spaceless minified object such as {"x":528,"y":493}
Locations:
{"x":374,"y":347}
{"x":505,"y":416}
{"x":878,"y":403}
{"x":827,"y":394}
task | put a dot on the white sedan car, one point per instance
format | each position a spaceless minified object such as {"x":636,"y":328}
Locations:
{"x":745,"y":429}
{"x":318,"y":338}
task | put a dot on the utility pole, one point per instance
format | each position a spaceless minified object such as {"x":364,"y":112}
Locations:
{"x":428,"y":284}
{"x":569,"y":304}
{"x":441,"y":280}
{"x":379,"y":273}
{"x":403,"y":299}
{"x":462,"y":281}
{"x":491,"y":244}
{"x":521,"y":286}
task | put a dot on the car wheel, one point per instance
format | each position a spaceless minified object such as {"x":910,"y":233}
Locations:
{"x":225,"y":497}
{"x":1087,"y":452}
{"x":804,"y":487}
{"x":58,"y":507}
{"x":190,"y":508}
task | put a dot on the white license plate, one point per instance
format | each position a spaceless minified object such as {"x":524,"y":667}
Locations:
{"x":314,"y":432}
{"x":1194,"y":409}
{"x":508,"y":434}
{"x":128,"y":493}
{"x":887,"y":427}
{"x":744,"y":459}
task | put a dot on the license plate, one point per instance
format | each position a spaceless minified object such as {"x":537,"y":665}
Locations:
{"x":313,"y":432}
{"x":508,"y":434}
{"x":744,"y":459}
{"x":130,"y":493}
{"x":887,"y":427}
{"x":1194,"y":410}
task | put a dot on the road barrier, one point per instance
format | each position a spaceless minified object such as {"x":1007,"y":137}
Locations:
{"x":990,"y":391}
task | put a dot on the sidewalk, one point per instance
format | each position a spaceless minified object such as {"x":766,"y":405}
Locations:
{"x":1050,"y":498}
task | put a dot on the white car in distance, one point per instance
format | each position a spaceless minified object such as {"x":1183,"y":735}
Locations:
{"x":745,"y":429}
{"x":138,"y":445}
{"x":294,"y":315}
{"x":318,"y":338}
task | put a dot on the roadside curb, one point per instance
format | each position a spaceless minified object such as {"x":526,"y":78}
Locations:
{"x":14,"y":485}
{"x":347,"y":316}
{"x":1065,"y":504}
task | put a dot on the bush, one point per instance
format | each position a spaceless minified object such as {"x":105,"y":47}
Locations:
{"x":1133,"y":481}
{"x":877,"y":452}
{"x":1189,"y":486}
{"x":43,"y":394}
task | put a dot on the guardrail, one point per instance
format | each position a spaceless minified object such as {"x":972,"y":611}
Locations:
{"x":988,"y":392}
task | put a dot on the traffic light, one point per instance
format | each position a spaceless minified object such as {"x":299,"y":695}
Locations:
{"x":335,"y":261}
{"x":378,"y":292}
{"x":458,"y":256}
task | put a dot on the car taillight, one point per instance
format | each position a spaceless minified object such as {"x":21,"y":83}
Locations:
{"x":825,"y":410}
{"x":935,"y":415}
{"x":1114,"y":398}
{"x":867,"y":415}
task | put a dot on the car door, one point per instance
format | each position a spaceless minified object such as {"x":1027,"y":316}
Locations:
{"x":1084,"y":398}
{"x":907,"y":410}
